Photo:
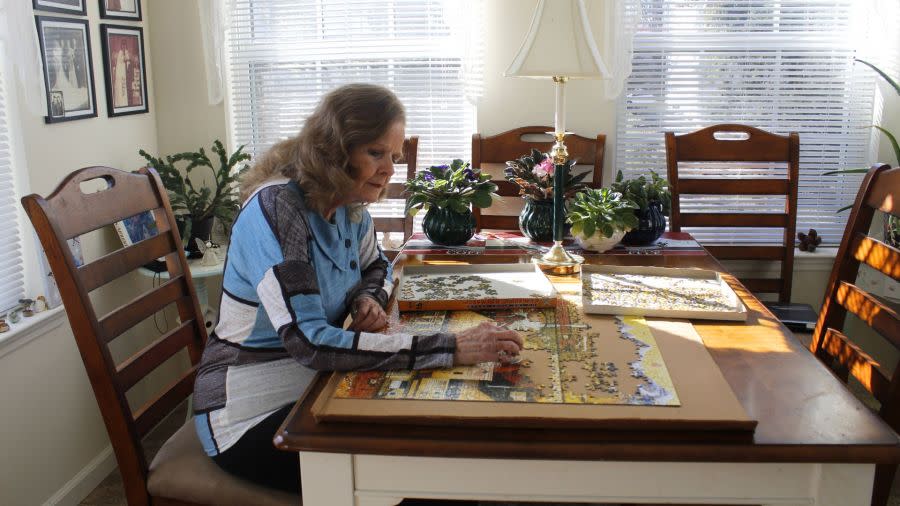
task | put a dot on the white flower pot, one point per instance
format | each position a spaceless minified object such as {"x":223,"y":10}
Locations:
{"x":599,"y":243}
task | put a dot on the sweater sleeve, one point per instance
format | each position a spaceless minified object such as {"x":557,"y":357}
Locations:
{"x":288,"y":289}
{"x":377,"y":275}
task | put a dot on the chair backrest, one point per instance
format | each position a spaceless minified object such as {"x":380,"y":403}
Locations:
{"x":757,"y":146}
{"x":880,"y":190}
{"x":491,"y":154}
{"x":404,"y":223}
{"x":69,"y":212}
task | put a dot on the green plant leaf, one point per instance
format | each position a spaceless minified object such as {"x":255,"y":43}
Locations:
{"x":893,"y":140}
{"x":880,"y":72}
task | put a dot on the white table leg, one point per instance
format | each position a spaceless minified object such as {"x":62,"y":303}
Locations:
{"x":326,"y":478}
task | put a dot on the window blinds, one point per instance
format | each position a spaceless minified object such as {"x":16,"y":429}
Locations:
{"x":782,"y":66}
{"x":12,"y":279}
{"x":283,"y":55}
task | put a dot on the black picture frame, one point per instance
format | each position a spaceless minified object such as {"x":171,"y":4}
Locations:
{"x":125,"y":10}
{"x":68,"y":68}
{"x":77,"y":7}
{"x":124,"y":69}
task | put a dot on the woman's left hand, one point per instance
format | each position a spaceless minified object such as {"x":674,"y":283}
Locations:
{"x":368,"y":316}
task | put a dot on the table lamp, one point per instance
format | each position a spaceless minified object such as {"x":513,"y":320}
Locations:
{"x":559,"y":46}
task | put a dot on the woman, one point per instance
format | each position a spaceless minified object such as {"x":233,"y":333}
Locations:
{"x":302,"y":256}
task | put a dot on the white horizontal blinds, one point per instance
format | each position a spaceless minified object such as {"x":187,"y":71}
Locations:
{"x":12,"y":279}
{"x":781,"y":66}
{"x":285,"y":54}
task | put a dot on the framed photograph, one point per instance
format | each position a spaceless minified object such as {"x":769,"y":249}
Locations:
{"x":66,"y":56}
{"x":128,"y":10}
{"x":124,"y":69}
{"x":78,"y":7}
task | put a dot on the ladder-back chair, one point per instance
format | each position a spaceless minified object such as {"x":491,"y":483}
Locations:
{"x":491,"y":154}
{"x":402,"y":224}
{"x":181,"y":473}
{"x":758,"y":146}
{"x":880,"y":190}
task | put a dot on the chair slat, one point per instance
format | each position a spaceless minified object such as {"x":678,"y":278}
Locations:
{"x":761,"y":146}
{"x":877,"y":255}
{"x":155,"y":410}
{"x":746,"y":252}
{"x":383,"y":224}
{"x":395,"y":191}
{"x":499,"y":222}
{"x":870,"y":310}
{"x":151,"y":356}
{"x":862,"y":366}
{"x":121,"y":262}
{"x":762,"y":285}
{"x":138,"y":309}
{"x":78,"y":213}
{"x":717,"y":186}
{"x":734,"y":219}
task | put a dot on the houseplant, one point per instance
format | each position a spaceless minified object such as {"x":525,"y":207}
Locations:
{"x":653,"y":201}
{"x":196,"y":207}
{"x":534,"y":175}
{"x":600,"y":218}
{"x":891,"y":223}
{"x":446,"y":192}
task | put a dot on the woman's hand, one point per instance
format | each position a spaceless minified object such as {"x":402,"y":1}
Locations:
{"x":486,"y":343}
{"x":368,"y":316}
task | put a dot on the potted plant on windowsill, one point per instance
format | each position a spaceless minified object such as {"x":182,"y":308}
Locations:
{"x":891,"y":223}
{"x":446,"y":192}
{"x":194,"y":207}
{"x":653,"y":201}
{"x":534,"y":176}
{"x":600,"y":218}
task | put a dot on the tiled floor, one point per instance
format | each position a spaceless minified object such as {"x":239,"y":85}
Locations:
{"x":110,"y":492}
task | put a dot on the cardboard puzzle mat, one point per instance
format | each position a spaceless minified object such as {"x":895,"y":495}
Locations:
{"x":567,"y":359}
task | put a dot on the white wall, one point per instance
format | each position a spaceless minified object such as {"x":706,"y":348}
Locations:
{"x":51,"y":424}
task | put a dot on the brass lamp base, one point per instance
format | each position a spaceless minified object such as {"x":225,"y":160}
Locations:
{"x":558,"y":261}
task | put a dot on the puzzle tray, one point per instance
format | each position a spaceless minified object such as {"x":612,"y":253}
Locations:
{"x":732,"y":307}
{"x":515,"y":286}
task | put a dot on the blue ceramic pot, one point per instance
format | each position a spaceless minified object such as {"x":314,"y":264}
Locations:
{"x":536,"y":220}
{"x":651,"y":225}
{"x":448,"y":227}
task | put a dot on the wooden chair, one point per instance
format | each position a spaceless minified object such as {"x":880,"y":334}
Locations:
{"x":759,"y":146}
{"x":404,"y":223}
{"x":880,"y":190}
{"x":491,"y":154}
{"x":181,"y":473}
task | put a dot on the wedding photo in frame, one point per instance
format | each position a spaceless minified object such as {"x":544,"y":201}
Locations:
{"x":77,"y":7}
{"x":68,"y":76}
{"x":124,"y":69}
{"x":127,"y":10}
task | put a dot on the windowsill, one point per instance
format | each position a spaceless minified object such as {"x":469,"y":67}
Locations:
{"x":29,"y":328}
{"x":822,"y":259}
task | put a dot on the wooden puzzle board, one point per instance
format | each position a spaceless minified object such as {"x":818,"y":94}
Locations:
{"x":659,"y":291}
{"x":700,"y":397}
{"x":455,"y":287}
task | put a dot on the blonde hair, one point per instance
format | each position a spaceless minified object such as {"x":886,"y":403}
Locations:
{"x":318,"y":157}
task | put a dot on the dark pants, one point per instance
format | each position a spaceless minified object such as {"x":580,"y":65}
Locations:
{"x":254,"y":457}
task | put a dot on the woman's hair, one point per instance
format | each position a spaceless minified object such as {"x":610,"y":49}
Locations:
{"x":318,"y":157}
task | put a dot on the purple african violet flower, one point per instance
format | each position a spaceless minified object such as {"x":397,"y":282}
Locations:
{"x":428,"y":176}
{"x":470,"y":175}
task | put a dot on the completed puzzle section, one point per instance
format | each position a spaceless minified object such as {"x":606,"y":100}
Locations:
{"x":567,"y":359}
{"x":453,"y":287}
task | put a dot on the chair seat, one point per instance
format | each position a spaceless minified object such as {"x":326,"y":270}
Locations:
{"x":182,"y":471}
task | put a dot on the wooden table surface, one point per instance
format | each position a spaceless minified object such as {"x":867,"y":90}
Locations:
{"x":805,"y":414}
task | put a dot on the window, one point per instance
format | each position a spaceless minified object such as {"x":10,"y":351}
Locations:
{"x":781,"y":66}
{"x":12,"y":275}
{"x":283,"y":55}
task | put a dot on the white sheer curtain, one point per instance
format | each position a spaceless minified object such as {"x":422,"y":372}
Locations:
{"x":615,"y":39}
{"x":213,"y":21}
{"x":18,"y":33}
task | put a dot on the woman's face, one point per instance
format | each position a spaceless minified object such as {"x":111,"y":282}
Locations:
{"x":372,"y":164}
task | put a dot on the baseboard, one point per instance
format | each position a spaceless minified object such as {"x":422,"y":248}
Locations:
{"x":85,"y":481}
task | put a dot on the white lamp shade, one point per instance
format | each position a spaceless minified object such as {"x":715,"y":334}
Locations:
{"x":559,"y":43}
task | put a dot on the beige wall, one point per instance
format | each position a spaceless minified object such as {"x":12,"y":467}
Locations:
{"x":51,"y":425}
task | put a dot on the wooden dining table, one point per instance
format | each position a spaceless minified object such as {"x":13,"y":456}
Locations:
{"x":814,"y":443}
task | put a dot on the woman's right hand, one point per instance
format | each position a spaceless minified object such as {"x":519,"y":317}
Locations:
{"x":486,"y":342}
